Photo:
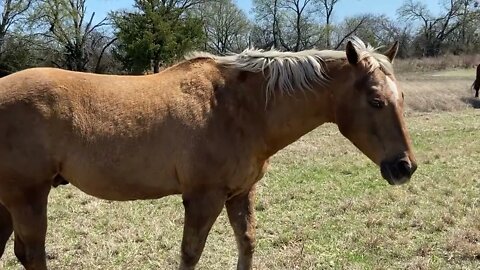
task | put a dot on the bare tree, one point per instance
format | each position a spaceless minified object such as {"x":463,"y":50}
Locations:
{"x":225,"y":25}
{"x":266,"y":31}
{"x":298,"y":8}
{"x":385,"y":31}
{"x":98,"y":44}
{"x":435,"y":29}
{"x":275,"y":27}
{"x":68,"y":24}
{"x":180,"y":4}
{"x":465,"y":39}
{"x":11,"y":12}
{"x":326,"y":8}
{"x":349,"y":27}
{"x":289,"y":24}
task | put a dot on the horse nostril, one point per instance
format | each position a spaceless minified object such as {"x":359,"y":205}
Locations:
{"x":405,"y":168}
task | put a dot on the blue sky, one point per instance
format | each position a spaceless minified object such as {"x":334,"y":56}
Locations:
{"x":344,"y":8}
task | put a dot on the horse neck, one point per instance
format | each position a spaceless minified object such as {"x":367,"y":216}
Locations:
{"x":290,"y":116}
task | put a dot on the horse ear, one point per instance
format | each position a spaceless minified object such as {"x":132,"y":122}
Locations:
{"x":352,"y":54}
{"x":392,"y":52}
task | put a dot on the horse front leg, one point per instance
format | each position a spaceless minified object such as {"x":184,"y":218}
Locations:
{"x":201,"y":210}
{"x":241,"y":214}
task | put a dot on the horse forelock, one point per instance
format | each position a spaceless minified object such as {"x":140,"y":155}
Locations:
{"x":290,"y":71}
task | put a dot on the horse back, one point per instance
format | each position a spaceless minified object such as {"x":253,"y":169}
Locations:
{"x":105,"y":133}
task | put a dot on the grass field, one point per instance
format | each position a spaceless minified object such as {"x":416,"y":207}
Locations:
{"x":322,"y":205}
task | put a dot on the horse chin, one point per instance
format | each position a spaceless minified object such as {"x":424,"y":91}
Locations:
{"x":396,"y":182}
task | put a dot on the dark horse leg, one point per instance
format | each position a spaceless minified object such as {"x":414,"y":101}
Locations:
{"x":201,"y":210}
{"x":241,"y":214}
{"x":6,"y":228}
{"x":476,"y":83}
{"x":28,"y":209}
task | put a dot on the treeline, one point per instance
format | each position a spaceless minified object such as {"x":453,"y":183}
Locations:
{"x":155,"y":33}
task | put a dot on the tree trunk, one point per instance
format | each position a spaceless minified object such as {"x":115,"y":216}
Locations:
{"x":156,"y":66}
{"x":275,"y":25}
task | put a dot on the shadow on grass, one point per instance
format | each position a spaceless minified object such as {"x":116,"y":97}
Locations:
{"x":472,"y":101}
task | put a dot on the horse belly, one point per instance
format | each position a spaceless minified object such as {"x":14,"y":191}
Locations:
{"x":121,"y":183}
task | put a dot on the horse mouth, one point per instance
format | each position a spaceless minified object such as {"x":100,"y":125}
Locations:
{"x":398,"y":172}
{"x":394,"y":181}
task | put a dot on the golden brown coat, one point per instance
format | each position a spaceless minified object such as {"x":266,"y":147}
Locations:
{"x":203,"y":128}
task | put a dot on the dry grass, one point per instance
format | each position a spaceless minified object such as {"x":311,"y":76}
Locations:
{"x":439,"y":91}
{"x":429,"y":64}
{"x":438,"y":84}
{"x":321,"y":206}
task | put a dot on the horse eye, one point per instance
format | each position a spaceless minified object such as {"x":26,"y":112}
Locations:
{"x":377,"y":103}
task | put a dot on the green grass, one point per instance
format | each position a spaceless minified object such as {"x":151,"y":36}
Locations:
{"x":322,"y":205}
{"x":345,"y":217}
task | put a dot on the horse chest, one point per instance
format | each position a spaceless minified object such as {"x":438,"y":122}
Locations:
{"x":243,"y":178}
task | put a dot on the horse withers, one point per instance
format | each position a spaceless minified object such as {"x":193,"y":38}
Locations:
{"x":204,"y":128}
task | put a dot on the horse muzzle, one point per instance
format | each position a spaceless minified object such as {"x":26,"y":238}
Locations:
{"x":398,"y":171}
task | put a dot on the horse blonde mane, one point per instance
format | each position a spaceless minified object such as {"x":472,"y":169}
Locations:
{"x":290,"y":71}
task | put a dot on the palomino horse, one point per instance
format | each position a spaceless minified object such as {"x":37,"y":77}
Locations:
{"x":204,"y":128}
{"x":476,"y":83}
